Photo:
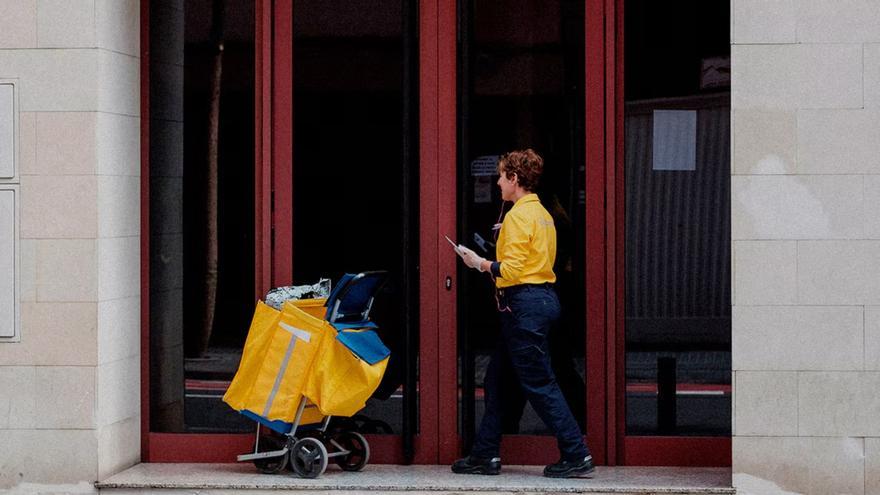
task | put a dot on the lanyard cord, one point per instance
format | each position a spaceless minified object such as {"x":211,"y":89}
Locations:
{"x":496,"y":230}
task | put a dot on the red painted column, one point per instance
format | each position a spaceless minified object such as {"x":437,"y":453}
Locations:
{"x":282,"y":142}
{"x":597,"y":393}
{"x":447,"y":355}
{"x":429,"y":280}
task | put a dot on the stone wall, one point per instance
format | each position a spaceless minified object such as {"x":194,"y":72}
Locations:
{"x":70,"y":389}
{"x":806,"y":242}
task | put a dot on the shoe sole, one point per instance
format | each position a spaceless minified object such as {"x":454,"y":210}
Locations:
{"x":572,"y":473}
{"x":477,"y":470}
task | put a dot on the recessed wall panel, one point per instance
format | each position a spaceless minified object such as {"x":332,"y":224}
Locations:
{"x":7,"y":131}
{"x":8,"y":274}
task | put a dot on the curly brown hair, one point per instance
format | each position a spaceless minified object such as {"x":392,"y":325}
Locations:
{"x":526,"y":164}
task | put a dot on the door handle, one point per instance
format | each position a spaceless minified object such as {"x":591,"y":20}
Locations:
{"x":448,"y":283}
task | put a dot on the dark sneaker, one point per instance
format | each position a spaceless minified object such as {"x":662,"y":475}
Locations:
{"x":570,"y":469}
{"x":476,"y":465}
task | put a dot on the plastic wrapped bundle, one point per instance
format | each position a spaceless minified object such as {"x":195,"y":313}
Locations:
{"x":276,"y":297}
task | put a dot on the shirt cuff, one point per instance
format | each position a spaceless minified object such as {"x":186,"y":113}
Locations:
{"x":496,"y":269}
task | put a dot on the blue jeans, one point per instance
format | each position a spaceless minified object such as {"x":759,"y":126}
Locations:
{"x":533,"y":309}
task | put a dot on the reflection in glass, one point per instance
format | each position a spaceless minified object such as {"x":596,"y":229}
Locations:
{"x":677,"y":144}
{"x":354,"y":169}
{"x":193,"y":356}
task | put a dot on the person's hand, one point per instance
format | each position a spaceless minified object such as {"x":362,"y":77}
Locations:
{"x":470,"y":258}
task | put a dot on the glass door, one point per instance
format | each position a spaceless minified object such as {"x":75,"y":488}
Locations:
{"x":348,"y":203}
{"x":676,"y":221}
{"x":521,"y":85}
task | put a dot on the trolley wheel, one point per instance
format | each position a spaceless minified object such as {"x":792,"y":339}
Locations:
{"x":271,"y":465}
{"x":356,"y":444}
{"x":308,"y":458}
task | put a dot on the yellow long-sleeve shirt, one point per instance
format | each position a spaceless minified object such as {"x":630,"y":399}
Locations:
{"x":526,"y":247}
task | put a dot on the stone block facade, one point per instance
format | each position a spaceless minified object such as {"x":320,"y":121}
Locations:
{"x":70,"y":389}
{"x":806,"y":77}
{"x":805,"y":208}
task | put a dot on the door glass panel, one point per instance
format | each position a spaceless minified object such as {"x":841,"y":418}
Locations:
{"x":521,"y":69}
{"x":677,"y":218}
{"x":198,"y":323}
{"x":355,"y":170}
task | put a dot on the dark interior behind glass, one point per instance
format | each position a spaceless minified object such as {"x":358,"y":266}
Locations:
{"x":677,"y":219}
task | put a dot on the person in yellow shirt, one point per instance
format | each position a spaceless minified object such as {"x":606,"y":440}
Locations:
{"x":528,"y":308}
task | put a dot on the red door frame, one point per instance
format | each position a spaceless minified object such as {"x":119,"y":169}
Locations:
{"x":438,"y":441}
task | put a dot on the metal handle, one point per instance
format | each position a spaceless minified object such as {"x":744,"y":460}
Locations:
{"x":448,"y":282}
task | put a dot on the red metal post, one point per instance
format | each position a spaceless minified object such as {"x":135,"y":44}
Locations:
{"x":594,"y":65}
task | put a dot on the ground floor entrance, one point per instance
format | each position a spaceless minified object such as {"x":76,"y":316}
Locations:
{"x":326,"y":138}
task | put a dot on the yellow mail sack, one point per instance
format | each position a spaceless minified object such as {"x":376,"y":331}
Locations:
{"x":278,"y":354}
{"x":340,"y":383}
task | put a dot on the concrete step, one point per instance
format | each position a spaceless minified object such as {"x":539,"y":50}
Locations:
{"x":216,"y":479}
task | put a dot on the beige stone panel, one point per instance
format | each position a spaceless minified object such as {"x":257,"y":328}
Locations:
{"x":118,"y":24}
{"x":166,"y":262}
{"x":872,"y":206}
{"x":166,"y":318}
{"x":765,"y":272}
{"x":168,"y":47}
{"x":59,"y":207}
{"x":18,"y":397}
{"x":119,"y":389}
{"x":65,"y":143}
{"x":18,"y":23}
{"x":119,"y":202}
{"x":54,"y":80}
{"x":872,"y":338}
{"x":119,"y":447}
{"x":65,"y":23}
{"x":119,"y":329}
{"x":54,"y":334}
{"x":733,"y":403}
{"x":840,"y":21}
{"x":166,"y":154}
{"x":808,"y":466}
{"x":28,"y":270}
{"x":119,"y":266}
{"x":797,"y":207}
{"x":67,"y":397}
{"x":119,"y":83}
{"x":119,"y":145}
{"x":767,"y":403}
{"x":765,"y":142}
{"x":872,"y":466}
{"x":796,"y":76}
{"x":47,"y":457}
{"x":839,"y":272}
{"x":168,"y":379}
{"x":166,"y":92}
{"x":872,"y":75}
{"x":839,"y":404}
{"x":764,"y":21}
{"x":838,"y":141}
{"x":66,"y":270}
{"x":791,"y":338}
{"x":27,"y":143}
{"x":166,"y":212}
{"x":733,"y":275}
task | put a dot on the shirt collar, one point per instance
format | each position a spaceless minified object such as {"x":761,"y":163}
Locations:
{"x":528,"y":198}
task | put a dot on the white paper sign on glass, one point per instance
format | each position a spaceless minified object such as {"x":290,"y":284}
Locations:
{"x":675,"y":140}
